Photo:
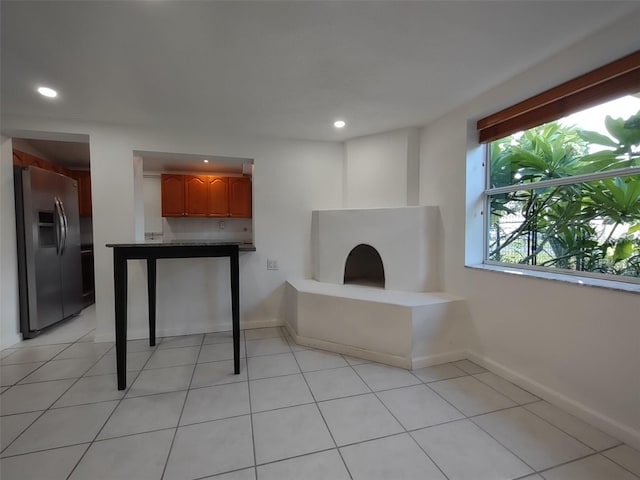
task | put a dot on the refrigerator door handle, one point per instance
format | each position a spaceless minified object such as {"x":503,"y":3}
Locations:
{"x":58,"y":226}
{"x":65,"y":228}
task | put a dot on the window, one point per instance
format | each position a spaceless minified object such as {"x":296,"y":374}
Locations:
{"x":565,"y":195}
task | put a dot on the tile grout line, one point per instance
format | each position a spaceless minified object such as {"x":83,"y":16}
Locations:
{"x":498,"y":441}
{"x":470,"y":418}
{"x":153,"y":430}
{"x":518,"y":405}
{"x":46,"y":450}
{"x":320,"y":412}
{"x":253,"y":437}
{"x":120,"y":400}
{"x":271,"y":462}
{"x":612,"y":460}
{"x":573,"y":460}
{"x":567,"y":433}
{"x":184,"y":403}
{"x":539,"y":400}
{"x":595,"y":452}
{"x":60,"y":360}
{"x":399,"y":422}
{"x":50,"y":407}
{"x":504,"y":394}
{"x":474,"y":416}
{"x":52,"y":404}
{"x":37,"y":368}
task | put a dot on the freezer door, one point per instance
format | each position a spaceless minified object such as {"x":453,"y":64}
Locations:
{"x":42,"y":230}
{"x":70,"y":256}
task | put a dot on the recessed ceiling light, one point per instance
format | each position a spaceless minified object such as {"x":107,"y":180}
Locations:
{"x":47,"y":92}
{"x":205,"y":161}
{"x":339,"y":124}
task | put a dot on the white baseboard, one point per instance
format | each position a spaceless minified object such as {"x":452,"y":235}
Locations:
{"x":394,"y":360}
{"x":605,"y":423}
{"x":274,"y":322}
{"x":138,"y":334}
{"x":429,"y":360}
{"x":388,"y":359}
{"x":10,"y":340}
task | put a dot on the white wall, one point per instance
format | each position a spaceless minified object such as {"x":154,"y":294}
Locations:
{"x":576,"y":345}
{"x":9,"y":323}
{"x":382,"y":170}
{"x":152,"y":194}
{"x":290,"y":179}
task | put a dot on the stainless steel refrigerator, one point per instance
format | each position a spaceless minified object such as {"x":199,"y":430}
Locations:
{"x":49,"y":259}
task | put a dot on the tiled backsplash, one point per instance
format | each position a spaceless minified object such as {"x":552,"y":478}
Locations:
{"x":206,"y":228}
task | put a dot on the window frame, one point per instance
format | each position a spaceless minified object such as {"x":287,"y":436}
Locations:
{"x":576,"y":179}
{"x":612,"y":80}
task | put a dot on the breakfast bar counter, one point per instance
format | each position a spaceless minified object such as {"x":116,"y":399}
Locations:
{"x":151,"y":251}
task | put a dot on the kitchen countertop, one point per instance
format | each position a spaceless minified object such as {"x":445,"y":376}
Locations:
{"x":243,"y":247}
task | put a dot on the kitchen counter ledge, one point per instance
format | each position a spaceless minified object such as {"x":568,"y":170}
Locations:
{"x":242,"y":247}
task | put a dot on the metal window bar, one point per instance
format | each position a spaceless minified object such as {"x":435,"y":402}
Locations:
{"x":555,"y":182}
{"x":531,"y":240}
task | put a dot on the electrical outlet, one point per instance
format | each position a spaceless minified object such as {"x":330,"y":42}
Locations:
{"x":221,"y":224}
{"x":272,"y":264}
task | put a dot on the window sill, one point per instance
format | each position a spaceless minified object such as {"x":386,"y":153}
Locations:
{"x":559,"y":277}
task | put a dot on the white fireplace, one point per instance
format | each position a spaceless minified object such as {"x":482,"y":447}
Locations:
{"x":407,"y":240}
{"x":386,"y":307}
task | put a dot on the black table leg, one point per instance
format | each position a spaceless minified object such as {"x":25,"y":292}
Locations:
{"x":235,"y":308}
{"x":120,"y":297}
{"x":151,"y":293}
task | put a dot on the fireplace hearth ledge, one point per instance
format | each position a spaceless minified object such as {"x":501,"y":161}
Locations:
{"x":403,"y":329}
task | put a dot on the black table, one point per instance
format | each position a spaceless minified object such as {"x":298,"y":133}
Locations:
{"x":151,"y":251}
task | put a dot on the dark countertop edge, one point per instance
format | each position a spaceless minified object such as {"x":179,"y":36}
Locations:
{"x":242,"y":247}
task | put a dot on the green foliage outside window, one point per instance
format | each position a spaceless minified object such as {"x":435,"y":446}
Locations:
{"x":591,"y":225}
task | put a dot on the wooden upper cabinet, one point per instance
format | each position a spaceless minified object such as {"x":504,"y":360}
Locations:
{"x":172,"y":187}
{"x":218,"y":196}
{"x":205,"y":196}
{"x":240,"y":197}
{"x":84,"y":192}
{"x":195,"y":195}
{"x":17,"y":159}
{"x":24,"y":159}
{"x":83,"y":177}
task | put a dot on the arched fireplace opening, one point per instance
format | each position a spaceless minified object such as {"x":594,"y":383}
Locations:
{"x":364,"y":267}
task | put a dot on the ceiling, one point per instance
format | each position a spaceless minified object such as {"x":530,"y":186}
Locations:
{"x":66,"y":154}
{"x":273,"y":68}
{"x":171,"y":162}
{"x":75,"y":155}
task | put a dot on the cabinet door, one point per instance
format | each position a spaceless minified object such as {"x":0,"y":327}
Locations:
{"x":195,"y":195}
{"x":84,"y":192}
{"x":172,"y":187}
{"x":17,"y":159}
{"x":218,"y":197}
{"x":240,"y":197}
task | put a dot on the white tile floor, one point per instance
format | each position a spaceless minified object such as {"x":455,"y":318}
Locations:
{"x":293,"y":413}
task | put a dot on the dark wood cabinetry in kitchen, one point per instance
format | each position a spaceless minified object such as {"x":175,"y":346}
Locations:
{"x":205,"y":196}
{"x":84,"y":191}
{"x":172,"y":195}
{"x":218,"y":201}
{"x":240,"y":197}
{"x":83,"y":177}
